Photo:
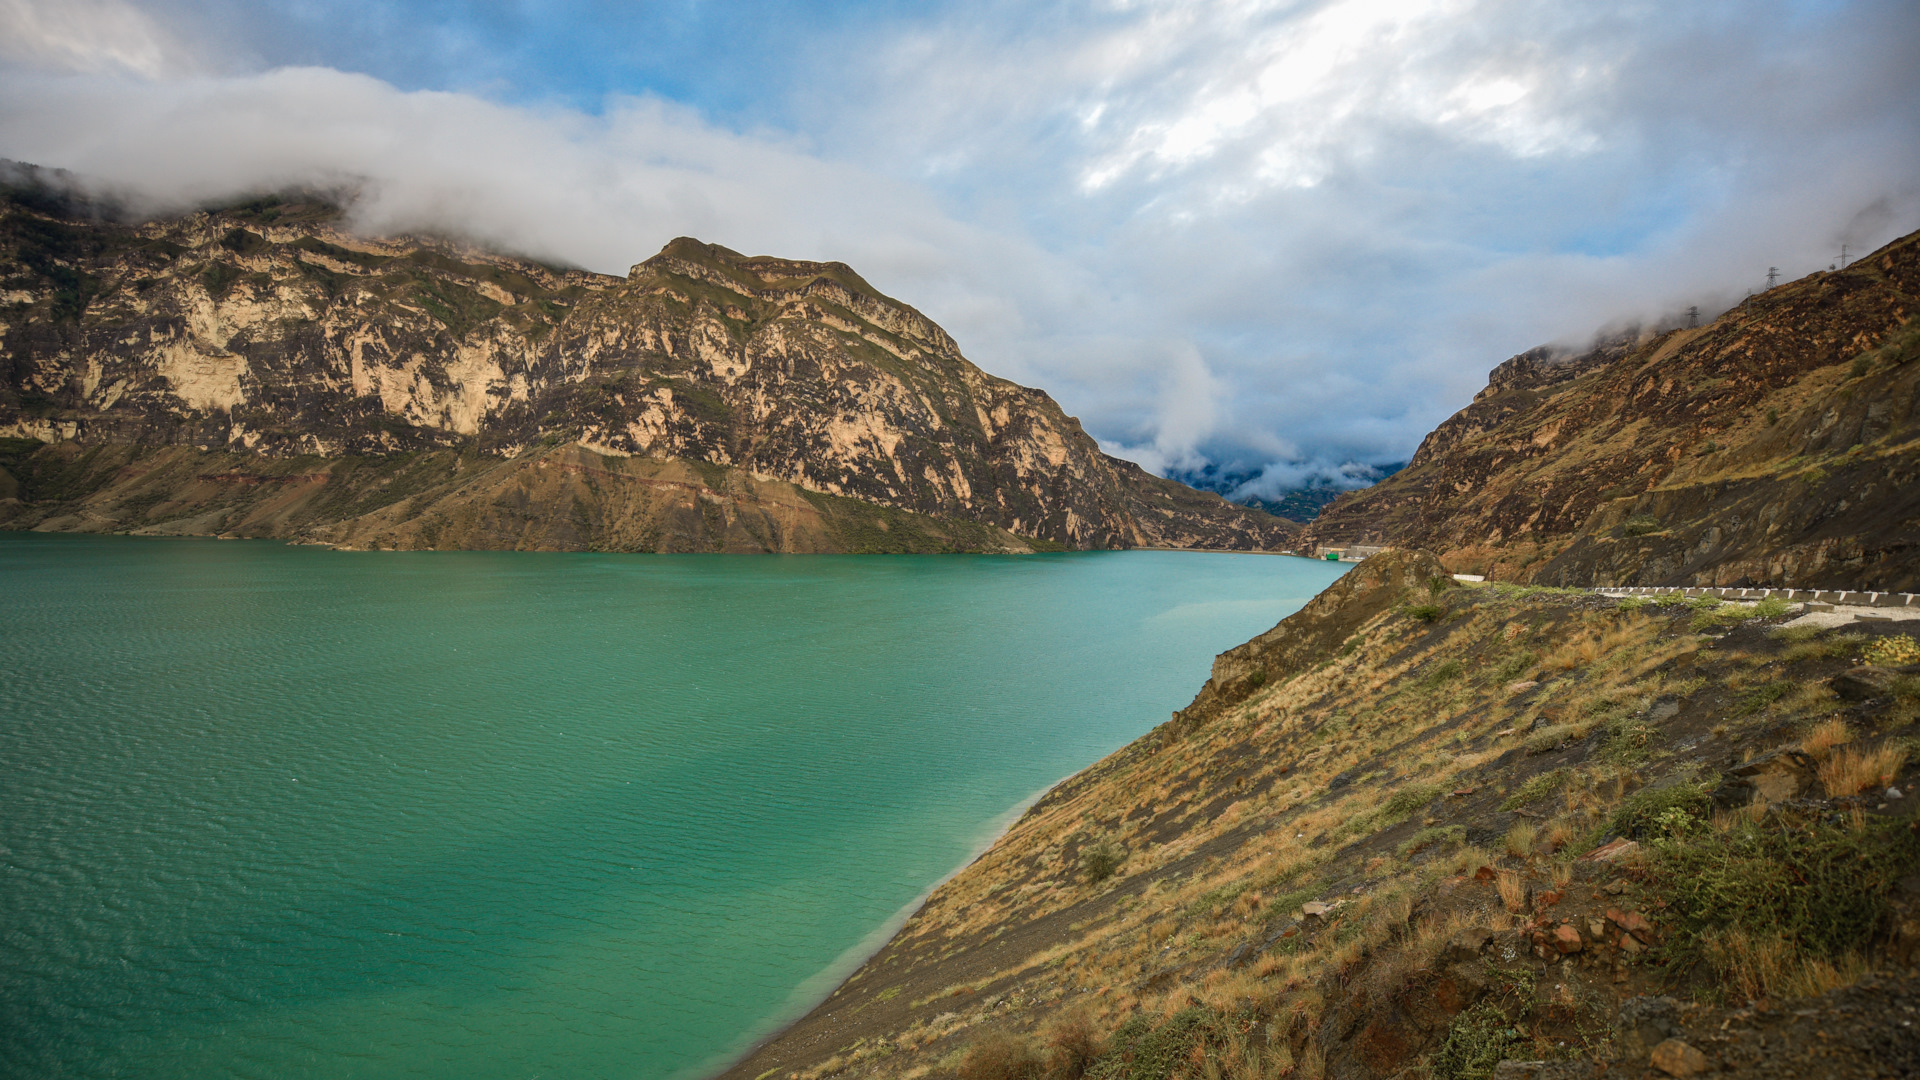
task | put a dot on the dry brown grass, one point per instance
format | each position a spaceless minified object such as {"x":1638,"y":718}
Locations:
{"x":1521,"y":839}
{"x":1852,"y":771}
{"x":1560,"y":832}
{"x":1513,"y":891}
{"x":1824,"y":736}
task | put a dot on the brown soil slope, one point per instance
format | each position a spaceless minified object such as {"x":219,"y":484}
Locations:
{"x":1369,"y":863}
{"x":267,"y":341}
{"x":1779,"y":445}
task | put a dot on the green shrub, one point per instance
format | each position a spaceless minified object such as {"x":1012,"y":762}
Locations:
{"x":1425,"y":612}
{"x":1411,"y":798}
{"x":1634,"y":603}
{"x":1642,"y":814}
{"x":1771,"y":607}
{"x":1139,"y":1050}
{"x":1628,"y":741}
{"x":1639,"y":525}
{"x":1478,"y":1039}
{"x":1437,"y":836}
{"x":1536,"y":789}
{"x":1100,"y":860}
{"x":1760,"y":697}
{"x":1443,"y":673}
{"x":1515,"y":666}
{"x":1824,"y":887}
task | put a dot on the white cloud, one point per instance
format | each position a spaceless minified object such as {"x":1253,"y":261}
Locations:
{"x":1279,"y":234}
{"x":89,"y":36}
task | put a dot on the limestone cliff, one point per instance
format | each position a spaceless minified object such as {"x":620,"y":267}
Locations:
{"x":1778,"y":445}
{"x":179,"y":371}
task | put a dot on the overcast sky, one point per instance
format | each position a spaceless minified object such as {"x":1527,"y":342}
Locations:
{"x":1277,"y":236}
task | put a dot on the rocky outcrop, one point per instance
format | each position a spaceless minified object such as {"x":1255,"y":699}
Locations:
{"x":266,"y":334}
{"x":1775,"y":446}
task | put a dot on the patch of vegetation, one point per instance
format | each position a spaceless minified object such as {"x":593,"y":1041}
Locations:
{"x":1758,"y":698}
{"x":1640,"y":525}
{"x":1478,"y":1039}
{"x":1822,"y":889}
{"x":1547,"y":783}
{"x":1411,"y":798}
{"x":1443,"y":673}
{"x":1140,"y":1050}
{"x":1434,"y":836}
{"x":219,"y":278}
{"x":1425,"y":613}
{"x":1771,"y":607}
{"x":1634,"y":603}
{"x":1647,"y":812}
{"x":1514,"y":666}
{"x":1099,"y":861}
{"x":1894,"y":650}
{"x":1629,"y":741}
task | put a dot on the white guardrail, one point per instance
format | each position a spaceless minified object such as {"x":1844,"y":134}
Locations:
{"x":1818,"y":596}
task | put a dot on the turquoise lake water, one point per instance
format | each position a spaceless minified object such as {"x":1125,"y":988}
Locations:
{"x":285,"y":812}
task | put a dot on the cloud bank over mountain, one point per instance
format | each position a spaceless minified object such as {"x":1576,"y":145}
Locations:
{"x":1266,"y":238}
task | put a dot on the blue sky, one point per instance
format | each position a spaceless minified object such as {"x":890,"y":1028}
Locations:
{"x":1271,"y":236}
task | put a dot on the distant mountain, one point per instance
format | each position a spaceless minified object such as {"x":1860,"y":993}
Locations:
{"x":257,"y":370}
{"x":1778,"y":445}
{"x":1300,"y":504}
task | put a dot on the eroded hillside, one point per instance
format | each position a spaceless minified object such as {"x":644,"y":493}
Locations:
{"x":1778,"y":445}
{"x":227,"y":350}
{"x":1421,"y":829}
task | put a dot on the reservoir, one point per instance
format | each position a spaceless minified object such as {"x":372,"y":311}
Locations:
{"x":281,"y":812}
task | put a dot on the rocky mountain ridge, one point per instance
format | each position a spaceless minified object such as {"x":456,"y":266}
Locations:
{"x":1778,"y":445}
{"x":177,"y":370}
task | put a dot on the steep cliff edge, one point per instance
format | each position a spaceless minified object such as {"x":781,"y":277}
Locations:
{"x":1453,"y":826}
{"x":528,"y":405}
{"x":1778,"y":445}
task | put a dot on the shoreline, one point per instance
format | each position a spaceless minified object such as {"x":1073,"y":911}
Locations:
{"x":816,"y":989}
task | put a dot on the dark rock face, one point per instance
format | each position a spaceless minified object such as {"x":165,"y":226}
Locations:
{"x":264,"y":334}
{"x":1773,"y":447}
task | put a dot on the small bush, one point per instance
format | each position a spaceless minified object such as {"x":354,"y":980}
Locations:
{"x":1443,"y":673}
{"x":1073,"y":1045}
{"x":1550,"y":738}
{"x":1141,"y":1051}
{"x":1425,"y":612}
{"x":1515,"y":666}
{"x":1477,"y":1040}
{"x":1628,"y":741}
{"x":1100,"y":860}
{"x":1411,"y":798}
{"x":1823,"y":889}
{"x":1771,"y":607}
{"x":1644,"y":814}
{"x":1893,"y":650}
{"x":1760,"y":697}
{"x":1535,"y":789}
{"x":1824,"y":736}
{"x":1002,"y":1056}
{"x":1634,"y":603}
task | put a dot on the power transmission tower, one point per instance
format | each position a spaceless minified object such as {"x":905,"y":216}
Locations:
{"x":1773,"y":275}
{"x":1843,"y":256}
{"x":1693,"y":316}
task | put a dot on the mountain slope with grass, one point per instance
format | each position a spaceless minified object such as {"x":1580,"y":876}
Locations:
{"x":1778,"y":445}
{"x":258,"y":370}
{"x":1423,"y":829}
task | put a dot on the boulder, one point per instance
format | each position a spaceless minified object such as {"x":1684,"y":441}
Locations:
{"x":1864,"y":683}
{"x":1676,"y":1058}
{"x":1777,"y":777}
{"x":1645,"y":1022}
{"x":1466,"y":944}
